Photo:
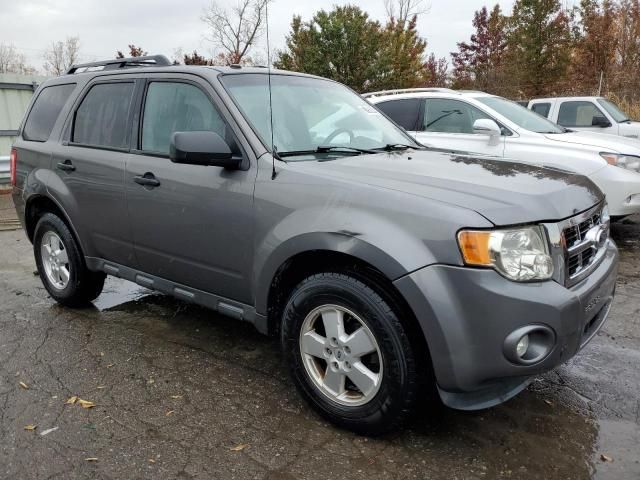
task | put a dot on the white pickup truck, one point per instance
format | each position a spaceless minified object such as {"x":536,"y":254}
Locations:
{"x":595,"y":114}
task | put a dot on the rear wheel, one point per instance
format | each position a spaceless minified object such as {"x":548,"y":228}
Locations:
{"x":349,"y":353}
{"x":61,"y":265}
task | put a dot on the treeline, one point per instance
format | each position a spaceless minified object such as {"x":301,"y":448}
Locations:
{"x":346,"y":45}
{"x":542,"y":48}
{"x":539,"y":48}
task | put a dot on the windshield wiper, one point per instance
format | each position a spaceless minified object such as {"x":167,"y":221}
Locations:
{"x":323,"y":149}
{"x":392,"y":147}
{"x":327,"y":149}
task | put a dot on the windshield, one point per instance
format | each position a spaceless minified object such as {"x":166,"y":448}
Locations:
{"x":523,"y":117}
{"x":309,"y":113}
{"x":613,"y":110}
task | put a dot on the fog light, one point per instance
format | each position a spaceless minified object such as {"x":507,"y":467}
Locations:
{"x":523,"y":346}
{"x":530,"y":344}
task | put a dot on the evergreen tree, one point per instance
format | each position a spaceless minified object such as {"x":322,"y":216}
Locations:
{"x":343,"y":44}
{"x":539,"y":46}
{"x":402,"y":56}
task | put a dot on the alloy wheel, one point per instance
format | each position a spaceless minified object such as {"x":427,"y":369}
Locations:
{"x":55,"y":260}
{"x":341,"y":355}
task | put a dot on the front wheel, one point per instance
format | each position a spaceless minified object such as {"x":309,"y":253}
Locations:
{"x":349,"y":353}
{"x":61,"y":266}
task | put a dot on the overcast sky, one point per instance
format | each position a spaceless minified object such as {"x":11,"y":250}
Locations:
{"x":162,"y":26}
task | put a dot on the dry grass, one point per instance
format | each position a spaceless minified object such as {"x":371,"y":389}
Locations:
{"x":628,"y":106}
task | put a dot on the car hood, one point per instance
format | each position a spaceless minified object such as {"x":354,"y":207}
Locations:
{"x":504,"y":192}
{"x":602,"y":141}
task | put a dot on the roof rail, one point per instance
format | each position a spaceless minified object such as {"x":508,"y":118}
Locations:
{"x":407,"y":90}
{"x":148,"y":61}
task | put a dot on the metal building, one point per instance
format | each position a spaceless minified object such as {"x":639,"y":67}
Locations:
{"x":15,"y":94}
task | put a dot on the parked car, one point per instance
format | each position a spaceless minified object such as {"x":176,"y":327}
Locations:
{"x":491,"y":125}
{"x":593,"y":114}
{"x":381,"y":265}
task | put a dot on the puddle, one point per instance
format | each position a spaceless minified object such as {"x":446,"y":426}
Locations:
{"x":118,"y":292}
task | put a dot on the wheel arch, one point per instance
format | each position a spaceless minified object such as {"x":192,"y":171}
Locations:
{"x":36,"y":206}
{"x":305,"y":263}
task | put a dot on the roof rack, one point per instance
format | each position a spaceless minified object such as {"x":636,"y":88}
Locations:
{"x":407,"y":90}
{"x":148,"y":61}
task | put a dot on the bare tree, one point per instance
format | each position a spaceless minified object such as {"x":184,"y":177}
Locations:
{"x":235,"y":31}
{"x":403,"y":10}
{"x":13,"y":62}
{"x":61,"y":55}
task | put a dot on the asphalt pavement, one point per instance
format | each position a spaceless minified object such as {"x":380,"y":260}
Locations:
{"x":177,"y":391}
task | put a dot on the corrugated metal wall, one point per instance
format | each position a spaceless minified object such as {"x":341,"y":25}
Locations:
{"x":15,"y":94}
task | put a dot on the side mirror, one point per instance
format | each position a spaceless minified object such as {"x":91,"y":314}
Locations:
{"x":600,"y":121}
{"x":201,"y":148}
{"x":485,"y":126}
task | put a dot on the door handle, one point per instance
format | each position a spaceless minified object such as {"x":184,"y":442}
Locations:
{"x":66,"y":166}
{"x":147,"y":180}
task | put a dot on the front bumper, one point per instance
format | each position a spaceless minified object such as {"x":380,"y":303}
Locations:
{"x":622,"y":189}
{"x":466,"y":314}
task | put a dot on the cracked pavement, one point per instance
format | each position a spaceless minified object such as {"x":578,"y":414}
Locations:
{"x":182,"y":392}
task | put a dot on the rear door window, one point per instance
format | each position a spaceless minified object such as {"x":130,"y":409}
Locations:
{"x":176,"y":107}
{"x":45,"y":111}
{"x":102,"y":119}
{"x":542,"y":109}
{"x":578,"y":114}
{"x":403,"y":111}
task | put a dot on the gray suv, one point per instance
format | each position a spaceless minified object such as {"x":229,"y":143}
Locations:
{"x":385,"y":268}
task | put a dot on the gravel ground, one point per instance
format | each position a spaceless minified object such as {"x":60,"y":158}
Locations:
{"x":181,"y":392}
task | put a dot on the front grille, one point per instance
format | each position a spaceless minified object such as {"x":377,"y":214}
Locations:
{"x":581,"y":249}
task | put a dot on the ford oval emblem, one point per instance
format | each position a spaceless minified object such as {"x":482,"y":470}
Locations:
{"x":597,"y":236}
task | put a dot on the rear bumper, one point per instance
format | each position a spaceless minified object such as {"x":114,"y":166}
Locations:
{"x":467,"y":314}
{"x":18,"y":200}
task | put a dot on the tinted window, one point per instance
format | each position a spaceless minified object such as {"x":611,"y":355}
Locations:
{"x":450,"y":116}
{"x":45,"y":112}
{"x":176,"y":107}
{"x":404,"y":112}
{"x":102,"y":118}
{"x":542,"y":109}
{"x":578,"y":114}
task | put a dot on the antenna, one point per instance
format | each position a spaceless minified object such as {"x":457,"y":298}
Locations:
{"x":274,"y":151}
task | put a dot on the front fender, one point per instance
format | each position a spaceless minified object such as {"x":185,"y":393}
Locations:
{"x":376,"y":241}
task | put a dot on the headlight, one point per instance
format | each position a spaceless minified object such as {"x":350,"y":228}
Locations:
{"x":604,"y":215}
{"x":520,"y":254}
{"x":630,"y":162}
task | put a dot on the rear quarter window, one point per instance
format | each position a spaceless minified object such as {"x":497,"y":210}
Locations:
{"x":45,"y":112}
{"x":542,"y":109}
{"x":403,"y":111}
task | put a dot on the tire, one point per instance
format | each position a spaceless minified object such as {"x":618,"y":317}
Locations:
{"x":365,"y":406}
{"x":61,"y":264}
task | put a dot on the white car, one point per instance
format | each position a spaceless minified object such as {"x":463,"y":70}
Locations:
{"x":595,"y":114}
{"x":482,"y":123}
